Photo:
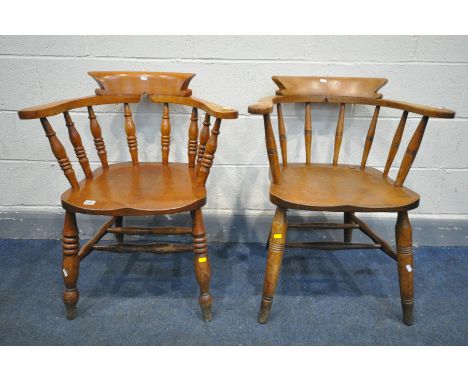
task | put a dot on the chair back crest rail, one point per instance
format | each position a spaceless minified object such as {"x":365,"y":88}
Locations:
{"x":128,"y":88}
{"x":341,"y":91}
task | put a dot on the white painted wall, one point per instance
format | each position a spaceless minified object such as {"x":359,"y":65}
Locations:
{"x":235,"y":71}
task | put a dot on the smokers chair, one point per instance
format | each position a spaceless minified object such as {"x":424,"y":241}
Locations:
{"x":340,"y":187}
{"x":135,"y":188}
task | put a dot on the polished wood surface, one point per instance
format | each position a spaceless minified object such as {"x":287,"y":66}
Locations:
{"x":146,"y":189}
{"x":324,"y":187}
{"x":124,"y":83}
{"x":135,"y":188}
{"x":336,"y":187}
{"x":342,"y":86}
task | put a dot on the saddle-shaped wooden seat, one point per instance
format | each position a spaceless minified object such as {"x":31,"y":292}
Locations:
{"x":319,"y":187}
{"x":146,"y":189}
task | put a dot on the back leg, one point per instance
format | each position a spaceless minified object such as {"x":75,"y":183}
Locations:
{"x":118,"y":223}
{"x":348,"y":232}
{"x":202,"y":263}
{"x":277,"y":241}
{"x":404,"y":242}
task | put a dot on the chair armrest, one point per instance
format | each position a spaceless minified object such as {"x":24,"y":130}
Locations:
{"x":58,"y":107}
{"x":212,"y":109}
{"x":434,"y":112}
{"x":263,"y":106}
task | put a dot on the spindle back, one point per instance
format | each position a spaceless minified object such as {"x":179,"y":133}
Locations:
{"x":128,"y":88}
{"x":341,"y":91}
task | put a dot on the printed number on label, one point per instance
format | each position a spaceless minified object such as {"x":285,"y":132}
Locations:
{"x":89,"y":202}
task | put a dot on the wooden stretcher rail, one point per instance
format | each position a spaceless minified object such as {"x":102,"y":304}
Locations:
{"x":161,"y":248}
{"x":151,"y":230}
{"x":332,"y":245}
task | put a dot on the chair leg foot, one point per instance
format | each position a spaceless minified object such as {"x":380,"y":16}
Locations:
{"x":70,"y":264}
{"x":407,"y":308}
{"x":277,"y":241}
{"x":264,"y":312}
{"x":404,"y":242}
{"x":205,"y":301}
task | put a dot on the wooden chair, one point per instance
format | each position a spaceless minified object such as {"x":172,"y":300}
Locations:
{"x":340,"y":187}
{"x":135,"y":188}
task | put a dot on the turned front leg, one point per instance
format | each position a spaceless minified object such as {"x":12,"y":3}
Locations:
{"x":348,"y":232}
{"x":70,"y":264}
{"x":202,"y":263}
{"x":277,"y":241}
{"x":404,"y":242}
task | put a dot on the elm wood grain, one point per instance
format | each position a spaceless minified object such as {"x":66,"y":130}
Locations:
{"x":97,"y":136}
{"x":59,"y":107}
{"x":75,"y":139}
{"x":147,"y":189}
{"x":345,"y":188}
{"x":276,"y":244}
{"x":151,"y":230}
{"x":216,"y":111}
{"x":201,"y":263}
{"x":328,"y":86}
{"x":120,"y":83}
{"x":341,"y":188}
{"x":404,"y":242}
{"x":70,"y":264}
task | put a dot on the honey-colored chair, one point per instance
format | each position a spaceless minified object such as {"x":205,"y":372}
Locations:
{"x":339,"y":187}
{"x":135,"y":188}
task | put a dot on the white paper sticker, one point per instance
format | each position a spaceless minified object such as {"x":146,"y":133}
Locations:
{"x":408,"y":268}
{"x":144,"y":78}
{"x":323,"y":80}
{"x":65,"y":273}
{"x":89,"y":202}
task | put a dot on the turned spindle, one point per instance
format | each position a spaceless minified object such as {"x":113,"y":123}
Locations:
{"x":210,"y":150}
{"x":272,"y":151}
{"x":204,"y":136}
{"x":370,"y":137}
{"x":308,"y":132}
{"x":193,"y":138}
{"x":59,"y":152}
{"x":75,"y":140}
{"x":282,"y":135}
{"x":395,"y":142}
{"x":130,"y":130}
{"x":339,"y":134}
{"x":97,"y":135}
{"x":165,"y":134}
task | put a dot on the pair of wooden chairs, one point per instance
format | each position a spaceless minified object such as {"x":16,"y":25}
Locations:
{"x":156,"y":188}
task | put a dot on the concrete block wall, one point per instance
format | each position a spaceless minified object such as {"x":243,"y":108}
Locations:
{"x":235,"y":71}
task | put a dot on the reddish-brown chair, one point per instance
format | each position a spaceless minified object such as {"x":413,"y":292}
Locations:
{"x":135,"y":188}
{"x":340,"y":187}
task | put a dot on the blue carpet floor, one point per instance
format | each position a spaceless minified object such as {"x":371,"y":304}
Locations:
{"x":323,"y":298}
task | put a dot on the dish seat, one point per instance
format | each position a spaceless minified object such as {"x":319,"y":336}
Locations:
{"x":148,"y":188}
{"x":324,"y":187}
